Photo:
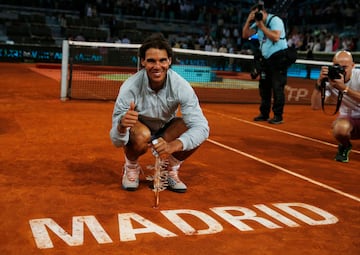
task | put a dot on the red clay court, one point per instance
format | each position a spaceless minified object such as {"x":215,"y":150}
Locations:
{"x":253,"y":188}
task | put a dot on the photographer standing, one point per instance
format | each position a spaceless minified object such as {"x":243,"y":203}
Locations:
{"x":273,"y":73}
{"x":341,"y":79}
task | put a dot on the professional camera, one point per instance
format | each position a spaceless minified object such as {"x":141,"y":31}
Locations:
{"x":254,"y":73}
{"x":257,"y":67}
{"x":259,"y":15}
{"x":335,"y":71}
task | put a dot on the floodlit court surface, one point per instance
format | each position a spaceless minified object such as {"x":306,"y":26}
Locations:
{"x":253,"y":188}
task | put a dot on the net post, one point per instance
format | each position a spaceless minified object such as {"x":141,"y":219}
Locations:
{"x":64,"y":70}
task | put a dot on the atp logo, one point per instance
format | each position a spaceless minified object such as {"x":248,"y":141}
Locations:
{"x":297,"y":94}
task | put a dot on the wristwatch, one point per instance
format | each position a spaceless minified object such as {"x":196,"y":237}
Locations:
{"x":345,"y":91}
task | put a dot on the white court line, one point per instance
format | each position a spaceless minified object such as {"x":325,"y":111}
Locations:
{"x":286,"y":171}
{"x":279,"y":130}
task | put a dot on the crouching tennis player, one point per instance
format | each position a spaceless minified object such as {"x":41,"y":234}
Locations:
{"x":146,"y":109}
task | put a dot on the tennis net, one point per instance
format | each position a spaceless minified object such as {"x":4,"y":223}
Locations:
{"x":94,"y":70}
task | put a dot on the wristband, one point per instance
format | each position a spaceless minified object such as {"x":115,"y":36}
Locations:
{"x":120,"y":125}
{"x":317,"y":86}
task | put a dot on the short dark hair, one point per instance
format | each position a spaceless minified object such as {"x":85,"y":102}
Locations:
{"x":156,"y":41}
{"x":259,"y":6}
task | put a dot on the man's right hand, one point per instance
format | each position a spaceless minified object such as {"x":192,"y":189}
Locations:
{"x":323,"y":74}
{"x":129,"y":119}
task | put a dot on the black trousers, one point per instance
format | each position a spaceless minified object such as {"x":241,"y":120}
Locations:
{"x":272,"y":86}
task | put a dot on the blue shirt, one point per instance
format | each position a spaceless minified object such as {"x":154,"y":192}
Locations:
{"x":267,"y":46}
{"x":157,"y":109}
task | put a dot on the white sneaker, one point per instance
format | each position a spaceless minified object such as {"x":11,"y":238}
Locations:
{"x":130,"y":180}
{"x":174,"y":183}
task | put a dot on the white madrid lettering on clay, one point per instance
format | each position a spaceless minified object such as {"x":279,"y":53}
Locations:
{"x":242,"y":218}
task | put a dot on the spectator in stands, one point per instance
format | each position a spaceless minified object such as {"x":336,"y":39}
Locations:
{"x":295,"y":39}
{"x":125,"y":40}
{"x":317,"y":45}
{"x":310,"y":56}
{"x":208,"y":45}
{"x":347,"y":44}
{"x":222,"y":61}
{"x":177,"y":45}
{"x":271,"y":34}
{"x":63,"y":24}
{"x":347,"y":124}
{"x":223,"y":48}
{"x":201,"y":42}
{"x":329,"y":42}
{"x":112,"y":23}
{"x":88,"y":10}
{"x":336,"y":43}
{"x":145,"y":114}
{"x":79,"y":37}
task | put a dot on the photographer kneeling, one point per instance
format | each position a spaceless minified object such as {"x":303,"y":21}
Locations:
{"x":345,"y":79}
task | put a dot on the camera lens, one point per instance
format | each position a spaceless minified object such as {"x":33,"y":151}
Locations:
{"x":335,"y":71}
{"x":258,"y":16}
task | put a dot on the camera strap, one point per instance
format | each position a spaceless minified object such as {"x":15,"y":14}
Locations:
{"x":339,"y":99}
{"x":268,"y":26}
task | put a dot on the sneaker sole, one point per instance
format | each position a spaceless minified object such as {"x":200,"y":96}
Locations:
{"x":276,"y":122}
{"x":342,"y":161}
{"x":261,"y":119}
{"x":177,"y":190}
{"x":129,"y":188}
{"x":151,"y":186}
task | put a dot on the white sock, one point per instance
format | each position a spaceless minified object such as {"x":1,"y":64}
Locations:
{"x":131,"y":163}
{"x":174,"y":163}
{"x":175,"y":168}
